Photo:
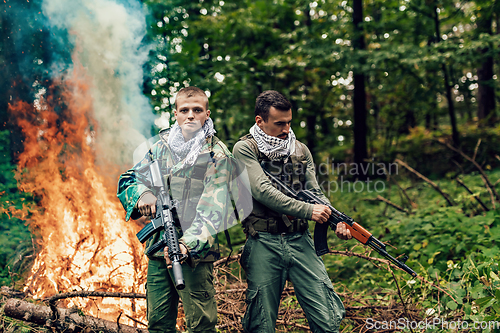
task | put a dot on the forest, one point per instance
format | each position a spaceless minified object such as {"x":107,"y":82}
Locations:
{"x":397,"y":101}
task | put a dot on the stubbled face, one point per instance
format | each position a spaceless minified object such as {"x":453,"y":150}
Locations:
{"x":277,"y":124}
{"x":191,"y":114}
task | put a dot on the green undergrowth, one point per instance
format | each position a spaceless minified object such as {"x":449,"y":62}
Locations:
{"x":421,"y":148}
{"x":453,"y":246}
{"x":15,"y":236}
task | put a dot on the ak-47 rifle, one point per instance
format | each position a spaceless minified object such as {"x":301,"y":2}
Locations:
{"x":164,"y":220}
{"x":320,"y":230}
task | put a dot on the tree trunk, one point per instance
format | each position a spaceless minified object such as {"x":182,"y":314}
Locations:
{"x":359,"y":96}
{"x":486,"y":87}
{"x":449,"y":95}
{"x":311,"y":119}
{"x":486,"y":92}
{"x":66,"y":320}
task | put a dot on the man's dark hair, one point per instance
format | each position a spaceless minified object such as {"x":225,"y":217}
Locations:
{"x":191,"y":92}
{"x":270,"y":98}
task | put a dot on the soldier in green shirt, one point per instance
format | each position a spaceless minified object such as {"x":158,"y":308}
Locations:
{"x":279,"y":246}
{"x":201,"y":172}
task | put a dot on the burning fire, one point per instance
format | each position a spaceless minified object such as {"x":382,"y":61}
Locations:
{"x":85,"y":243}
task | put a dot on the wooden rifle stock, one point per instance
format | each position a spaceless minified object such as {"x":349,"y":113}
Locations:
{"x":320,"y":230}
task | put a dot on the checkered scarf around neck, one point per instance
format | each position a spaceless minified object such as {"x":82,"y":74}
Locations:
{"x":274,"y":148}
{"x":189,"y":150}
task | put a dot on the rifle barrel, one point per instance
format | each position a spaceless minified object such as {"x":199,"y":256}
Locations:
{"x":386,"y":255}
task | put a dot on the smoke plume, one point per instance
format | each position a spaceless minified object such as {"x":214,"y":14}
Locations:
{"x":106,"y":38}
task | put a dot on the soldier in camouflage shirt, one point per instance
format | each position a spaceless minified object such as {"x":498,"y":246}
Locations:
{"x":201,"y":173}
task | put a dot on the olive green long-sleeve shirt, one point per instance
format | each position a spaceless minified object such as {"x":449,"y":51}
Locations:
{"x":263,"y":191}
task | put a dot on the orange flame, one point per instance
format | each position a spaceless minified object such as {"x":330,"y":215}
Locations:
{"x":85,"y":242}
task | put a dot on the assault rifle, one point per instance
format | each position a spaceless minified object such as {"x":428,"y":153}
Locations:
{"x":164,"y":220}
{"x":320,"y":230}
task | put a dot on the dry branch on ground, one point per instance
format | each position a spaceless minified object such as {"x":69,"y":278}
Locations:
{"x":60,"y":319}
{"x":230,"y":286}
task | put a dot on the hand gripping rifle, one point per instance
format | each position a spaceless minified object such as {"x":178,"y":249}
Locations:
{"x":320,"y":230}
{"x":164,"y":220}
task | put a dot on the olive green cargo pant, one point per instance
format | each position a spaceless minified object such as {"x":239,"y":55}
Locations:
{"x":271,"y":259}
{"x":197,"y":298}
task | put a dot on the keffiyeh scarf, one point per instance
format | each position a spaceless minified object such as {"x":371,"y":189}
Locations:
{"x":274,"y":148}
{"x":189,"y":151}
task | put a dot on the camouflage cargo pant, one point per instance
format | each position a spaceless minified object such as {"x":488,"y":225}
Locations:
{"x":269,"y":260}
{"x":197,"y":298}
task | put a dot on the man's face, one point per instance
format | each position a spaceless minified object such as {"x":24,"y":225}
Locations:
{"x":191,"y":113}
{"x":277,"y":124}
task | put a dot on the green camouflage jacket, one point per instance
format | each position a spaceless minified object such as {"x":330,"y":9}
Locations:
{"x":212,"y":195}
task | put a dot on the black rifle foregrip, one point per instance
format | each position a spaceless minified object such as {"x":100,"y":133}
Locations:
{"x":160,"y":245}
{"x":172,"y":241}
{"x":175,"y":254}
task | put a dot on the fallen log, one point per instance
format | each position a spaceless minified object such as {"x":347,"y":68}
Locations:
{"x":12,"y":293}
{"x":92,"y":293}
{"x":67,"y":320}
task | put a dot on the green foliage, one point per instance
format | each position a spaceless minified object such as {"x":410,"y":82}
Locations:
{"x":14,"y":234}
{"x":455,"y":247}
{"x":421,"y":148}
{"x":235,"y":50}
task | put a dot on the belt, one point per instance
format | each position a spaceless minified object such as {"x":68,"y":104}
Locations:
{"x":277,"y":226}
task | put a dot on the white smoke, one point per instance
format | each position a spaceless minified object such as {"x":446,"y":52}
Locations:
{"x":107,"y":40}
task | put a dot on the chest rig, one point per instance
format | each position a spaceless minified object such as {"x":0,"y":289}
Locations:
{"x":186,"y":184}
{"x":186,"y":187}
{"x":293,"y":174}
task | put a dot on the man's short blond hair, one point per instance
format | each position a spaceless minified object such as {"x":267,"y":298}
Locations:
{"x":191,"y":92}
